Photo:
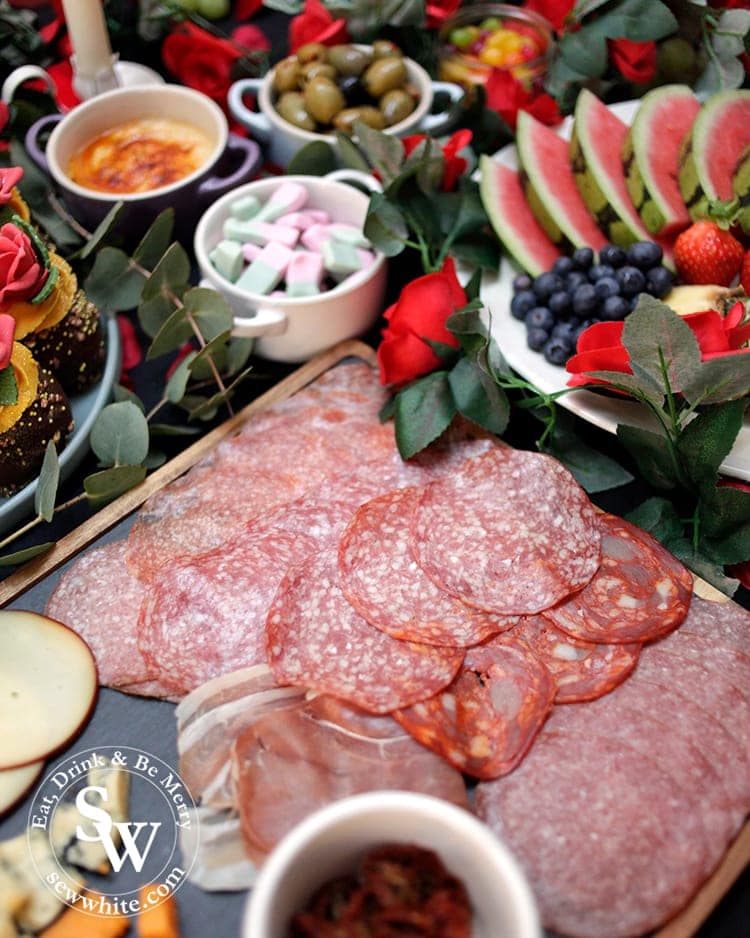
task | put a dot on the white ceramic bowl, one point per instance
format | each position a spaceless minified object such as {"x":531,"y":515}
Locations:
{"x":295,"y":329}
{"x":331,"y":842}
{"x":282,"y":139}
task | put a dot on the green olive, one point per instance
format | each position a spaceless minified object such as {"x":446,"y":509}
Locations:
{"x":312,"y":52}
{"x":323,"y":99}
{"x":286,"y":75}
{"x":384,"y":48}
{"x":383,"y":75}
{"x":349,"y":60}
{"x":316,"y":67}
{"x":344,"y":120}
{"x":291,"y":106}
{"x":395,"y":105}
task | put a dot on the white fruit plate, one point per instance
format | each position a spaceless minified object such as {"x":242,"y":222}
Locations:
{"x":510,"y":335}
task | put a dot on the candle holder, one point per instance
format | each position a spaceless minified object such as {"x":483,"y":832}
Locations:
{"x":117,"y":75}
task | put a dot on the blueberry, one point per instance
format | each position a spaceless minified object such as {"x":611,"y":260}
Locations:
{"x":557,"y":351}
{"x":644,"y":254}
{"x":521,"y":303}
{"x":583,"y":327}
{"x":536,"y":339}
{"x":614,"y":308}
{"x":632,"y":280}
{"x":607,"y":286}
{"x":562,"y":266}
{"x":521,"y":282}
{"x":574,"y":279}
{"x":546,"y":284}
{"x":582,"y":258}
{"x":613,"y":255}
{"x":597,"y":271}
{"x":559,"y":303}
{"x":539,"y":318}
{"x":566,"y":331}
{"x":585,"y":300}
{"x":659,"y":282}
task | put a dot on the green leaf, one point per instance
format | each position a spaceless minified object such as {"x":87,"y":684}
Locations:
{"x":473,"y":285}
{"x":8,"y":386}
{"x":384,"y":151}
{"x":706,"y":441}
{"x":385,"y":226}
{"x":154,"y":459}
{"x":214,"y":352}
{"x":660,"y":342}
{"x":168,"y":429}
{"x":170,"y":274}
{"x":423,"y":410}
{"x":211,"y":312}
{"x":630,"y":384}
{"x":350,"y":154}
{"x":314,"y":159}
{"x":238,"y":353}
{"x":156,"y":240}
{"x":206,"y":409}
{"x":583,"y":54}
{"x":652,"y":454}
{"x":120,"y":435}
{"x":719,"y":379}
{"x":469,"y":329}
{"x":732,"y":548}
{"x":155,"y":312}
{"x":426,"y":163}
{"x":477,"y":251}
{"x":478,"y":398}
{"x":174,"y":332}
{"x":21,"y":556}
{"x":103,"y":487}
{"x":722,"y":510}
{"x":593,"y":470}
{"x":711,"y":572}
{"x":113,"y":282}
{"x":101,"y":231}
{"x":639,"y":20}
{"x":175,"y":388}
{"x":49,"y":479}
{"x":125,"y":394}
{"x":659,"y":518}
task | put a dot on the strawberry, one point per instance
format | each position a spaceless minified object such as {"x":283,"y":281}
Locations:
{"x":745,"y":274}
{"x":706,"y":253}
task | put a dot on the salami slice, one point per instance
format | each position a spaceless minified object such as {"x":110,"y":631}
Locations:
{"x":639,"y":593}
{"x":511,"y":532}
{"x":724,"y":623}
{"x":486,"y":720}
{"x":98,"y":598}
{"x":316,"y":639}
{"x":602,"y":833}
{"x":207,"y":616}
{"x":381,"y":580}
{"x":582,"y":670}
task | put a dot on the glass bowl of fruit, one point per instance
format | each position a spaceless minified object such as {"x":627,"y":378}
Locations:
{"x":484,"y":36}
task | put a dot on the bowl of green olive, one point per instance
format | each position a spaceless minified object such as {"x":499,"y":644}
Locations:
{"x":322,"y":90}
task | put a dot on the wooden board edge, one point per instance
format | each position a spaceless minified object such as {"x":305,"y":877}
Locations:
{"x":106,"y":518}
{"x":686,"y":923}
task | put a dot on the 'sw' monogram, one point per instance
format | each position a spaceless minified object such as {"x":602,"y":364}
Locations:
{"x":103,"y":824}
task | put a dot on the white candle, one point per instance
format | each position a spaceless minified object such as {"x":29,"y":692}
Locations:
{"x":88,"y":36}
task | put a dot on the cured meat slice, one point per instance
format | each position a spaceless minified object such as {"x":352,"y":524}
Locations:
{"x":724,"y":623}
{"x":581,"y":670}
{"x":383,"y":582}
{"x":316,"y":639}
{"x":722,"y":660}
{"x":486,"y":720}
{"x":99,"y":599}
{"x":639,"y":593}
{"x":206,"y":616}
{"x":510,"y":531}
{"x":289,"y":763}
{"x":602,"y":833}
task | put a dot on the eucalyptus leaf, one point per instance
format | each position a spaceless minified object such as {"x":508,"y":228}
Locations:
{"x":122,"y":393}
{"x":172,"y":335}
{"x":101,"y":231}
{"x":211,"y":312}
{"x":314,"y":159}
{"x":207,"y":409}
{"x":154,"y":459}
{"x":478,"y":398}
{"x":584,"y":53}
{"x":652,"y":454}
{"x":638,"y":20}
{"x":168,"y":429}
{"x":155,"y":242}
{"x":49,"y":479}
{"x":238,"y":353}
{"x":171,"y":273}
{"x":155,"y":312}
{"x":120,"y":435}
{"x":705,"y":442}
{"x":103,"y":487}
{"x":22,"y":556}
{"x":113,"y":282}
{"x":8,"y":385}
{"x":423,"y":410}
{"x":175,"y":388}
{"x":719,"y":75}
{"x":212,"y":356}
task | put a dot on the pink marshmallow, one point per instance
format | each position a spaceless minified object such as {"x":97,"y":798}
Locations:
{"x":305,"y":267}
{"x":261,"y":232}
{"x":286,"y":198}
{"x":250,"y":251}
{"x":299,"y":220}
{"x":319,"y":215}
{"x":365,"y":257}
{"x":315,"y":237}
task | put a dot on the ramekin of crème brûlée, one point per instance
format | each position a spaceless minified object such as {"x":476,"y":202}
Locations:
{"x":151,"y":147}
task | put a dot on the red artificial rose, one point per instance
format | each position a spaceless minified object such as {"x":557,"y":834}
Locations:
{"x":600,"y":347}
{"x":635,"y":61}
{"x":7,"y":328}
{"x":419,"y":313}
{"x":507,"y":96}
{"x":4,"y":115}
{"x":316,"y":24}
{"x":553,"y":10}
{"x":203,"y":61}
{"x":61,"y":74}
{"x":741,"y":571}
{"x":22,"y":274}
{"x":244,"y":9}
{"x":438,"y":11}
{"x":9,"y":179}
{"x":455,"y":165}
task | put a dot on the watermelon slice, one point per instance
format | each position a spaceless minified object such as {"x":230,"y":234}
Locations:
{"x":596,"y":154}
{"x":710,"y":153}
{"x":514,"y":222}
{"x":741,"y":187}
{"x":651,"y":157}
{"x":551,"y":190}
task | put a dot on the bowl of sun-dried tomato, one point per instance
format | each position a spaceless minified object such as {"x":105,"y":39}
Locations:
{"x":386,"y":861}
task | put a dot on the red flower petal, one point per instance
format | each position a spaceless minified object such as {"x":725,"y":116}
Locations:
{"x":404,"y":357}
{"x":708,"y":327}
{"x":600,"y":335}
